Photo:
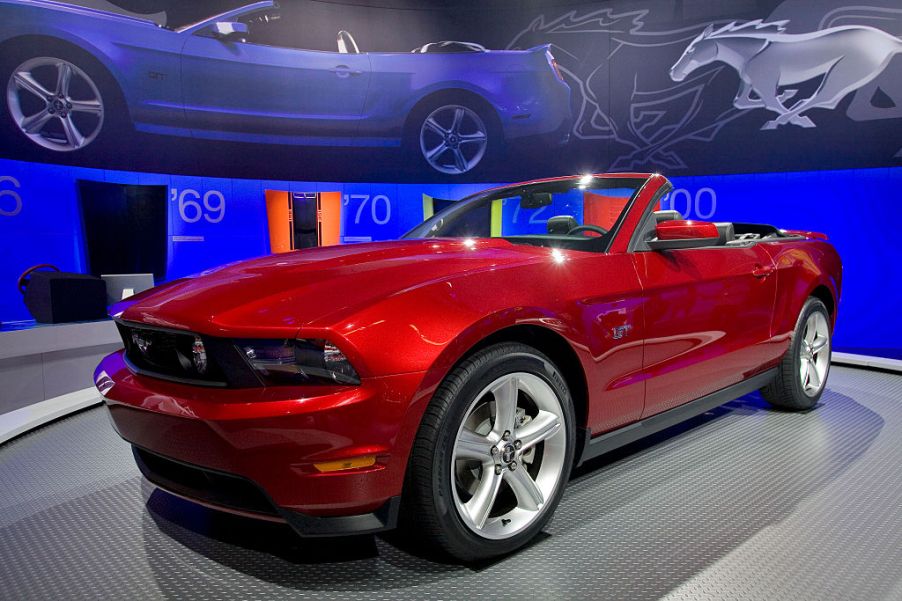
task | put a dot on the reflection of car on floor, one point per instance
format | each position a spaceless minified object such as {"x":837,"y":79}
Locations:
{"x":449,"y":381}
{"x":73,"y":72}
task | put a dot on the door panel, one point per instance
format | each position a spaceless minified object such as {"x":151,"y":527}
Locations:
{"x":241,"y":87}
{"x":610,"y":310}
{"x":707,"y":317}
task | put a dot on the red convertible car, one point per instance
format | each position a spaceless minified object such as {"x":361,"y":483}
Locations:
{"x":449,"y":381}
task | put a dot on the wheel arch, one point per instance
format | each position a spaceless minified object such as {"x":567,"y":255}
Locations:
{"x":549,"y":342}
{"x":823,"y":293}
{"x":553,"y":345}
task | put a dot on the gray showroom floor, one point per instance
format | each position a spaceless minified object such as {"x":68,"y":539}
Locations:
{"x":741,"y":503}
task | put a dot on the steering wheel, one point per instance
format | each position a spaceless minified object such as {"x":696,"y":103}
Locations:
{"x":24,"y":278}
{"x":588,"y":228}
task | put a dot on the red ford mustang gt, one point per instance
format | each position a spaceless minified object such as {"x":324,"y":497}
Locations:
{"x":449,"y":381}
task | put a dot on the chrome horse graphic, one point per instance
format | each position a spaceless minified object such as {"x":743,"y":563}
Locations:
{"x":766,"y":58}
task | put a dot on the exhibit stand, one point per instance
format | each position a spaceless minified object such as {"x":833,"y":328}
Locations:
{"x":47,"y":372}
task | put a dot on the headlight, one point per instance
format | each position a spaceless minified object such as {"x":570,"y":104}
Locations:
{"x":298,"y":362}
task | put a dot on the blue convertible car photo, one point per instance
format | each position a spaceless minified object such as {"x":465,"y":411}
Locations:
{"x":77,"y":77}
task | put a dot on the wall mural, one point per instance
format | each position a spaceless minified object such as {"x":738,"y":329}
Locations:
{"x":651,"y":87}
{"x":250,"y":89}
{"x":785,"y":73}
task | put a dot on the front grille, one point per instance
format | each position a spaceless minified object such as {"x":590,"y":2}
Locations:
{"x":185,"y":357}
{"x":217,"y":488}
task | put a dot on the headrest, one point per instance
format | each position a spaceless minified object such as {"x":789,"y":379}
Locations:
{"x":725,"y":232}
{"x":561,"y":224}
{"x":667,"y":216}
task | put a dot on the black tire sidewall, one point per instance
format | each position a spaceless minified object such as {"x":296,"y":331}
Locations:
{"x":801,"y":398}
{"x":459,"y":537}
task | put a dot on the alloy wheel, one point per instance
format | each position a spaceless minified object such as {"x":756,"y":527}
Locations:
{"x":55,"y":104}
{"x":453,"y":139}
{"x":508,"y":457}
{"x":814,"y":353}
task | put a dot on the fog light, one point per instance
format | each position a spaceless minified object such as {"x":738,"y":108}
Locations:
{"x":199,"y":355}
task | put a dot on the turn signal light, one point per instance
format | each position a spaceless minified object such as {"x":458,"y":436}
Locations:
{"x":346,"y":464}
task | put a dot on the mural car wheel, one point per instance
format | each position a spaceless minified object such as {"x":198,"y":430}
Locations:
{"x":55,"y":104}
{"x":803,"y":372}
{"x":493,"y":453}
{"x":453,"y":139}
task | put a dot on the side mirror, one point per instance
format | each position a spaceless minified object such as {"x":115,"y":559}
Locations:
{"x":228,"y":30}
{"x":679,"y":233}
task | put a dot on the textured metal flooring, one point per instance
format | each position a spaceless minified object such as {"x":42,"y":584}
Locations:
{"x":741,"y":503}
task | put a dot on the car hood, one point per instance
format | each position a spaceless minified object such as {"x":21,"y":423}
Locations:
{"x":276,"y":295}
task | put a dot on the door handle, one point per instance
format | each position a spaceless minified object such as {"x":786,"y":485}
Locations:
{"x":344,"y":71}
{"x":762,"y":271}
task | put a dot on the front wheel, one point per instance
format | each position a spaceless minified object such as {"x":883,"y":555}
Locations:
{"x":493,"y":454}
{"x":61,"y":101}
{"x":802,"y":375}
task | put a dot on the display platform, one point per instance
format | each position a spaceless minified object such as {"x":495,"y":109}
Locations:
{"x":741,"y":502}
{"x":47,"y":369}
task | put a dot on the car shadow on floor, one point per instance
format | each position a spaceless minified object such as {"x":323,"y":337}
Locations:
{"x":273,"y":553}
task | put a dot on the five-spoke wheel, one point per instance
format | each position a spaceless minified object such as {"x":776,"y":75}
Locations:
{"x":453,"y":139}
{"x":492,"y":455}
{"x":508,"y":455}
{"x":55,"y":103}
{"x":802,"y":374}
{"x":814,"y":353}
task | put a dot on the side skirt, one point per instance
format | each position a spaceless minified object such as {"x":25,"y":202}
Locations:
{"x":594,"y":447}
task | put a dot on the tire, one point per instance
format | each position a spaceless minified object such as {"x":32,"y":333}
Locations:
{"x":70,"y":121}
{"x":453,"y":135}
{"x":802,"y":374}
{"x":453,"y":461}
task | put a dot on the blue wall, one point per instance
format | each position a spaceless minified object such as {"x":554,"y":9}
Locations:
{"x":217,"y":220}
{"x":211,"y":220}
{"x":855,"y":208}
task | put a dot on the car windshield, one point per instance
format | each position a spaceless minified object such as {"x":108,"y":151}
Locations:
{"x":576,"y":212}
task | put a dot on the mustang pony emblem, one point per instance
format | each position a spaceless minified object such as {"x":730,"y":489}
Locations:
{"x":766,"y":58}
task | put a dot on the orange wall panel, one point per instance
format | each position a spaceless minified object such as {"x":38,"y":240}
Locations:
{"x":328,"y":216}
{"x":278,"y":215}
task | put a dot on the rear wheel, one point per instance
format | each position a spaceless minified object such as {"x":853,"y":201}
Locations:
{"x":493,"y":454}
{"x":453,"y":135}
{"x":803,"y":372}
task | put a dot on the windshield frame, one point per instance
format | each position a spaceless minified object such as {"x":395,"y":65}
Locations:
{"x":232,"y":14}
{"x":592,"y":244}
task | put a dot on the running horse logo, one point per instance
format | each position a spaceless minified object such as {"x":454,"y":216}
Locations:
{"x":766,"y":58}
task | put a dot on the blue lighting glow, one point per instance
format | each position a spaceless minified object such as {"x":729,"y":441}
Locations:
{"x":214,"y":221}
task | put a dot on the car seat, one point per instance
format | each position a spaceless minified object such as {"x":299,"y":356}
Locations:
{"x":560,"y":225}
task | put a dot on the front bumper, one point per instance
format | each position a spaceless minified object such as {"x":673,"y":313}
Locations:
{"x":269,"y":439}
